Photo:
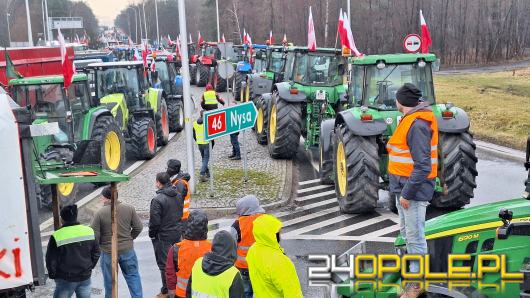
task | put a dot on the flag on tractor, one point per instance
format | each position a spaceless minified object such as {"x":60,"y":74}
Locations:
{"x":425,"y":35}
{"x":177,"y":48}
{"x":86,"y":38}
{"x":199,"y":39}
{"x":77,"y":40}
{"x":67,"y":65}
{"x":346,"y":35}
{"x":191,"y":40}
{"x":169,"y":41}
{"x":144,"y":56}
{"x":271,"y":38}
{"x":244,"y":36}
{"x":136,"y":56}
{"x":153,"y":65}
{"x":11,"y":72}
{"x":311,"y":39}
{"x":284,"y":40}
{"x":131,"y":44}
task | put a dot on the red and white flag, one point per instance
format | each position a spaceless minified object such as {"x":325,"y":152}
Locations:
{"x":249,"y":40}
{"x":223,"y":38}
{"x":244,"y":36}
{"x":153,"y":66}
{"x":284,"y":40}
{"x":425,"y":35}
{"x":170,"y":42}
{"x":311,"y":39}
{"x":271,"y":38}
{"x":191,"y":40}
{"x":144,"y":53}
{"x":346,"y":35}
{"x":77,"y":40}
{"x":199,"y":39}
{"x":131,"y":44}
{"x":67,"y":65}
{"x":136,"y":56}
{"x":178,"y":47}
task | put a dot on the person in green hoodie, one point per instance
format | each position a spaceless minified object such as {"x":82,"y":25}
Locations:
{"x":272,"y":273}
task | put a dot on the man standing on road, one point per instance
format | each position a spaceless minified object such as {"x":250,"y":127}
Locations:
{"x":210,"y":99}
{"x":71,"y":255}
{"x":129,"y":227}
{"x":164,"y":223}
{"x":413,"y":167}
{"x":204,"y":147}
{"x":180,"y":181}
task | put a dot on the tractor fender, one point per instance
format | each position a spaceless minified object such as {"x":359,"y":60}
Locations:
{"x":358,"y":127}
{"x":458,"y":124}
{"x":117,"y":106}
{"x":93,"y":115}
{"x":285,"y":94}
{"x":326,"y":141}
{"x":154,"y":97}
{"x":259,"y":85}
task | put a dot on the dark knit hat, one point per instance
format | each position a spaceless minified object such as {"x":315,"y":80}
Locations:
{"x":174,"y":164}
{"x":107,"y":192}
{"x":408,"y":95}
{"x":69,"y":213}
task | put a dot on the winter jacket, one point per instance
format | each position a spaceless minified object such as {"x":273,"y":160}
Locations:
{"x":221,"y":258}
{"x":211,"y":107}
{"x":165,"y":214}
{"x":72,"y":253}
{"x":416,"y":187}
{"x":272,"y":273}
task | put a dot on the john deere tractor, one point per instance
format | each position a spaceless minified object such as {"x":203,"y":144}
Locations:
{"x":76,"y":120}
{"x":140,"y":111}
{"x":353,"y":147}
{"x":245,"y":65}
{"x":263,"y":78}
{"x":312,"y":92}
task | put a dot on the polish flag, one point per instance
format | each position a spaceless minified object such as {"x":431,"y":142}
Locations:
{"x":311,"y":39}
{"x":170,"y":42}
{"x":244,"y":36}
{"x":178,"y":47}
{"x":144,"y":54}
{"x":223,"y":38}
{"x":346,"y":35}
{"x":249,"y":40}
{"x":271,"y":38}
{"x":284,"y":40}
{"x":191,"y":40}
{"x":199,"y":38}
{"x":77,"y":40}
{"x":425,"y":35}
{"x":153,"y":66}
{"x":136,"y":56}
{"x":67,"y":65}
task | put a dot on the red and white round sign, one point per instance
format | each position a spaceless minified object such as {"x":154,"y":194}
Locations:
{"x":412,"y":43}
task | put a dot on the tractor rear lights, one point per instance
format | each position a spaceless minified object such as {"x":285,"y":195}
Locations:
{"x":447,"y":114}
{"x":293,"y":91}
{"x":367,"y":118}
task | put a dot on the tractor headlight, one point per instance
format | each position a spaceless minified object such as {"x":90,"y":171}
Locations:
{"x":381,"y":65}
{"x":421,"y":64}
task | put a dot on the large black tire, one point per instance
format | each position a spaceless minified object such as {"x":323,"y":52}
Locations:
{"x":66,"y":192}
{"x":325,"y":167}
{"x":248,"y":94}
{"x":143,"y":138}
{"x":236,"y":89}
{"x":356,"y":171}
{"x":219,"y":83}
{"x":162,"y":124}
{"x":113,"y":146}
{"x":203,"y":75}
{"x":285,"y":128}
{"x":175,"y":109}
{"x":193,"y":74}
{"x":262,"y":121}
{"x":460,"y":169}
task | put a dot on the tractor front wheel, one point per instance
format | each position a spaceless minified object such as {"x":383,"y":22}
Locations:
{"x":175,"y":111}
{"x":356,"y":171}
{"x":219,"y":83}
{"x":202,"y":76}
{"x":325,"y":167}
{"x":193,"y":74}
{"x":285,"y":128}
{"x":143,"y":138}
{"x":162,"y":124}
{"x":107,"y":132}
{"x":459,"y":166}
{"x":262,"y":120}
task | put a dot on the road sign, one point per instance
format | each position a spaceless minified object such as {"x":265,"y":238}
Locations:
{"x":222,"y":122}
{"x":412,"y":43}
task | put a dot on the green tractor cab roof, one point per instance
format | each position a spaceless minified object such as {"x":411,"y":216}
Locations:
{"x":120,"y":64}
{"x":50,"y":79}
{"x":318,"y":50}
{"x":392,"y":59}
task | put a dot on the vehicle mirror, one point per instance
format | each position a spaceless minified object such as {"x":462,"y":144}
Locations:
{"x":505,"y":215}
{"x":527,"y":164}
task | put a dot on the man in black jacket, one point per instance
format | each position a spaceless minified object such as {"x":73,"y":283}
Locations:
{"x":71,"y":255}
{"x":164,"y":222}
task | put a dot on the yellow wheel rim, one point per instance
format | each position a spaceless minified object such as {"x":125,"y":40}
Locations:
{"x":112,"y":150}
{"x":247,"y":92}
{"x":272,"y":125}
{"x":65,"y":189}
{"x":341,"y":169}
{"x":259,"y":122}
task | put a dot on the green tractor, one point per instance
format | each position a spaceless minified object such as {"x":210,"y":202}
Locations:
{"x":500,"y":228}
{"x":313,"y":91}
{"x":77,"y":121}
{"x":353,"y":147}
{"x":268,"y":70}
{"x":140,"y":111}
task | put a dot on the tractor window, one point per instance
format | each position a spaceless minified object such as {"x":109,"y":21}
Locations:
{"x":161,"y":68}
{"x":300,"y":68}
{"x":276,"y":62}
{"x":289,"y":66}
{"x":382,"y":84}
{"x":78,"y":98}
{"x":323,"y":70}
{"x":45,"y":99}
{"x":356,"y":84}
{"x":117,"y":80}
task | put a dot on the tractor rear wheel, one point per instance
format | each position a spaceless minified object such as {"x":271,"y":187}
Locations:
{"x":143,"y":138}
{"x":162,"y":124}
{"x":66,"y":192}
{"x":262,"y":120}
{"x":248,"y":96}
{"x":219,"y":83}
{"x":112,"y":143}
{"x":356,"y":171}
{"x":236,"y":89}
{"x":175,"y":110}
{"x":460,"y":170}
{"x":193,"y":74}
{"x":202,"y":76}
{"x":285,"y":128}
{"x":325,"y":167}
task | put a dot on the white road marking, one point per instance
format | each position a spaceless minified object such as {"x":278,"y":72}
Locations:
{"x":320,"y":224}
{"x":339,"y":238}
{"x":313,"y":196}
{"x":314,"y":188}
{"x":308,"y":182}
{"x":357,"y":226}
{"x":309,"y":216}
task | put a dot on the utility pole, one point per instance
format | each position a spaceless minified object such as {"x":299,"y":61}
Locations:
{"x":217,"y":13}
{"x":188,"y":104}
{"x":8,"y":30}
{"x":349,"y":16}
{"x":136,"y":25}
{"x":28,"y":19}
{"x":157,"y":33}
{"x":145,"y":20}
{"x":136,"y":8}
{"x":43,"y":22}
{"x":49,"y":32}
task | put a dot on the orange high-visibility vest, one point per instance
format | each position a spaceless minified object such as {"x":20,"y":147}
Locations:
{"x":187,"y":198}
{"x":247,"y":239}
{"x":189,"y":252}
{"x":399,"y":158}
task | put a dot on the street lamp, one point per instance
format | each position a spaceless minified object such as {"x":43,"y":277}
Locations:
{"x":135,"y":24}
{"x":156,"y":14}
{"x":8,"y":31}
{"x":145,"y":20}
{"x":28,"y":19}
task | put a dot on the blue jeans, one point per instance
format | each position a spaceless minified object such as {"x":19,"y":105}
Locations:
{"x":205,"y":155}
{"x":129,"y":267}
{"x":65,"y":289}
{"x":412,"y":228}
{"x":247,"y":285}
{"x":235,"y":144}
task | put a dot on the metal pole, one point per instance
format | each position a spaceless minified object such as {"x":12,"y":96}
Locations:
{"x":217,"y":13}
{"x":8,"y":30}
{"x":28,"y":20}
{"x":55,"y":208}
{"x":145,"y":20}
{"x":245,"y":167}
{"x":141,"y":30}
{"x":348,"y":7}
{"x":43,"y":21}
{"x":114,"y":239}
{"x":49,"y":30}
{"x":211,"y":169}
{"x":157,"y":33}
{"x":188,"y":104}
{"x":136,"y":25}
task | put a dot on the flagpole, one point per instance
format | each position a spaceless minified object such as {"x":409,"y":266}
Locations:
{"x":28,"y":19}
{"x":217,"y":12}
{"x":145,"y":20}
{"x":157,"y":33}
{"x":8,"y":29}
{"x":349,"y":16}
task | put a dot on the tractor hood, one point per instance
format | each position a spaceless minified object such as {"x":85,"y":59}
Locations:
{"x":472,"y":219}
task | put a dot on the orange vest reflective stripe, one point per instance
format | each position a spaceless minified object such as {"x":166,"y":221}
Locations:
{"x":247,"y":239}
{"x":399,"y":157}
{"x":187,"y":198}
{"x":189,"y":252}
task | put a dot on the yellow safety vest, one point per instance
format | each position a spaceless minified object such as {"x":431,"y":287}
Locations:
{"x":211,"y":286}
{"x":199,"y":133}
{"x":210,"y":97}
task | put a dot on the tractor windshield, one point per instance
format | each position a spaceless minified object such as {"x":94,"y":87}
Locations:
{"x":163,"y":72}
{"x":117,"y":80}
{"x":276,"y":62}
{"x":321,"y":70}
{"x":382,"y":84}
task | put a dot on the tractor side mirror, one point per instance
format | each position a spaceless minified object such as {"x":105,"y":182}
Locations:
{"x":505,"y":215}
{"x":527,"y":162}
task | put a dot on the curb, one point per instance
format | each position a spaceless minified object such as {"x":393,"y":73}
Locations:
{"x":501,"y":151}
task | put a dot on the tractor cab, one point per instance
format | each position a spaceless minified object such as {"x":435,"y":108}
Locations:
{"x":167,"y":70}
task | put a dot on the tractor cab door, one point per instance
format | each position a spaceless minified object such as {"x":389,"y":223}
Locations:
{"x":78,"y":98}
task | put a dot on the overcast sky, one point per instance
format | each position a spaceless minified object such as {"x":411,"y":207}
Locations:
{"x":107,"y":10}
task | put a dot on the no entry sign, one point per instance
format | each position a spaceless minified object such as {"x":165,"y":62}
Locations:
{"x":412,"y":43}
{"x":222,"y":122}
